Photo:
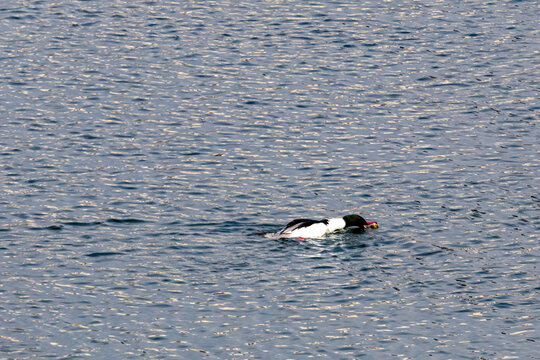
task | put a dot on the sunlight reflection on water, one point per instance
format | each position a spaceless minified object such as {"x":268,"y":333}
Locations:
{"x":145,"y":146}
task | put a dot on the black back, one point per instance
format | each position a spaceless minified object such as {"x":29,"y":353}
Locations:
{"x":300,"y":223}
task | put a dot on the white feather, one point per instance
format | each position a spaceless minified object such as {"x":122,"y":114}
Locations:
{"x":335,"y":224}
{"x":312,"y":231}
{"x":316,"y":230}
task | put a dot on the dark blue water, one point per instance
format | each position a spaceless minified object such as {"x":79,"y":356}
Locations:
{"x":143,"y":146}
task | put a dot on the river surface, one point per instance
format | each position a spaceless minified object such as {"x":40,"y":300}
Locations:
{"x":144,"y":145}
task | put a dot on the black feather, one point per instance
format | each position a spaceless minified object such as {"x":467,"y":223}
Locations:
{"x":302,"y":223}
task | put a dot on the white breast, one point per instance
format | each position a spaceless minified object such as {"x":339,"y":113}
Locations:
{"x":335,"y":224}
{"x":316,"y":230}
{"x":313,"y":231}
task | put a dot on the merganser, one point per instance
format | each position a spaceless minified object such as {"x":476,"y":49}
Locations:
{"x":307,"y":228}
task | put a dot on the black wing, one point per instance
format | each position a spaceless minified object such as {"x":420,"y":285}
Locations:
{"x":300,"y":223}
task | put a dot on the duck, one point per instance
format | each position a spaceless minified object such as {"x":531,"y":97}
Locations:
{"x":302,"y":229}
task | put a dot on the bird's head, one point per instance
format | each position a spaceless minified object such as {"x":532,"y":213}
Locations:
{"x":357,"y":220}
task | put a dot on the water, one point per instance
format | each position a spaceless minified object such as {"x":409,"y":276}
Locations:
{"x":145,"y":144}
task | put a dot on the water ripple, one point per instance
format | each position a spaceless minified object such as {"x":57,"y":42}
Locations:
{"x":146,"y":145}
